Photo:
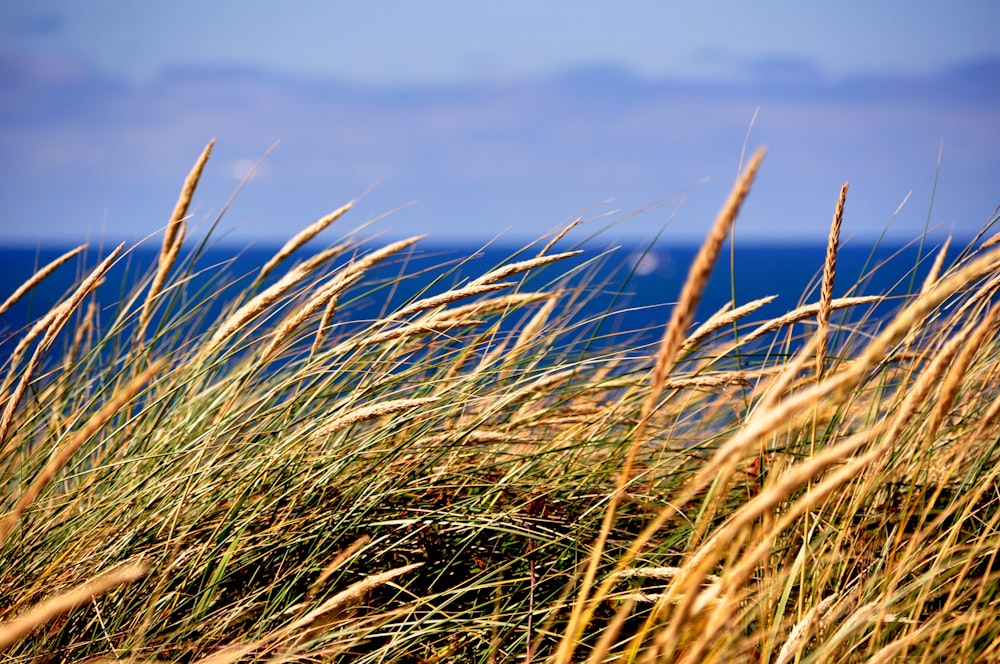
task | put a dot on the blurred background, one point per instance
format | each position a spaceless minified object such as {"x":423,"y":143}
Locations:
{"x":473,"y":120}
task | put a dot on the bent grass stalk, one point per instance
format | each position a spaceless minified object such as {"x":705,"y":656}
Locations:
{"x":472,"y":462}
{"x":173,"y":238}
{"x":681,"y":317}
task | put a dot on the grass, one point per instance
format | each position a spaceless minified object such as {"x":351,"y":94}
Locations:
{"x":481,"y":475}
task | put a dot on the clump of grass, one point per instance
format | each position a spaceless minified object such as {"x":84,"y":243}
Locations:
{"x":476,"y":475}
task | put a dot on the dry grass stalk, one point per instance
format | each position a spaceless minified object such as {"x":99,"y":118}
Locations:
{"x":802,"y":629}
{"x":337,"y":284}
{"x":330,"y":308}
{"x":53,"y":324}
{"x":722,"y":319}
{"x":691,"y":490}
{"x":982,"y":298}
{"x":800,"y":474}
{"x":382,"y":253}
{"x":920,"y":391}
{"x":693,"y":486}
{"x":253,"y":308}
{"x":263,"y":300}
{"x":302,"y":237}
{"x":784,"y":379}
{"x":773,"y":413}
{"x":683,"y":312}
{"x":325,"y":298}
{"x":560,"y":235}
{"x":487,"y":306}
{"x":990,"y":241}
{"x":804,"y":312}
{"x":610,"y":633}
{"x":42,"y":325}
{"x":721,"y":379}
{"x":863,"y":616}
{"x":309,"y":626}
{"x":542,"y":384}
{"x":476,"y":436}
{"x":12,"y":400}
{"x":695,"y":283}
{"x":173,"y":237}
{"x":935,"y":271}
{"x":958,"y":371}
{"x":61,"y":455}
{"x":510,"y":269}
{"x":371,"y":412}
{"x":716,"y":546}
{"x":38,"y":277}
{"x":534,"y":326}
{"x":790,"y":481}
{"x":42,"y":613}
{"x":431,"y":327}
{"x":325,"y":321}
{"x":494,"y":357}
{"x":657,"y":573}
{"x":337,"y":563}
{"x":444,"y":299}
{"x":82,"y":337}
{"x":826,"y":288}
{"x":321,"y":257}
{"x":916,"y":311}
{"x":351,"y":595}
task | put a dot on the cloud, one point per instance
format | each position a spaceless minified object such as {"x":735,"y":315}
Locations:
{"x":524,"y":154}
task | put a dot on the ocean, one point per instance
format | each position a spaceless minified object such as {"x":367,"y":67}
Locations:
{"x":640,"y":284}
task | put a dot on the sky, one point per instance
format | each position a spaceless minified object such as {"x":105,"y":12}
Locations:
{"x":467,"y":121}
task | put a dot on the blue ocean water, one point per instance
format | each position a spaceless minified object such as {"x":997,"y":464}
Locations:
{"x":638,"y":283}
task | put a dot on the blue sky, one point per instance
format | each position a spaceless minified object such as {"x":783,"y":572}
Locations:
{"x":484,"y":118}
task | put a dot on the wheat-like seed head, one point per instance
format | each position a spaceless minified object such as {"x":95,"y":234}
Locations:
{"x":695,"y":283}
{"x":802,"y":313}
{"x":38,"y":276}
{"x":371,"y":412}
{"x":254,"y":308}
{"x":173,"y":237}
{"x":534,"y":326}
{"x":446,"y":298}
{"x":51,"y":325}
{"x":560,"y":235}
{"x":721,"y":320}
{"x":45,"y":611}
{"x":826,"y":288}
{"x":935,"y":272}
{"x":505,"y":271}
{"x":957,"y":370}
{"x":801,"y":630}
{"x":63,"y":453}
{"x":302,"y":237}
{"x":412,"y":329}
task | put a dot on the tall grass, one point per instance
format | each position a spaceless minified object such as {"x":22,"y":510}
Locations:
{"x":479,"y":474}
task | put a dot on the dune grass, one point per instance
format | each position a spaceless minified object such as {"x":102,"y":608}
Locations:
{"x":481,"y":474}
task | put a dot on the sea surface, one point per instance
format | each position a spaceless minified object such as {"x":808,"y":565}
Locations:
{"x":639,"y":283}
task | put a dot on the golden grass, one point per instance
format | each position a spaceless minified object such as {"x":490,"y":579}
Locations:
{"x":666,"y":357}
{"x":701,"y":269}
{"x":302,"y":237}
{"x":40,"y":275}
{"x":63,"y":453}
{"x":479,"y":473}
{"x":826,"y":286}
{"x":173,"y":237}
{"x":14,"y":630}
